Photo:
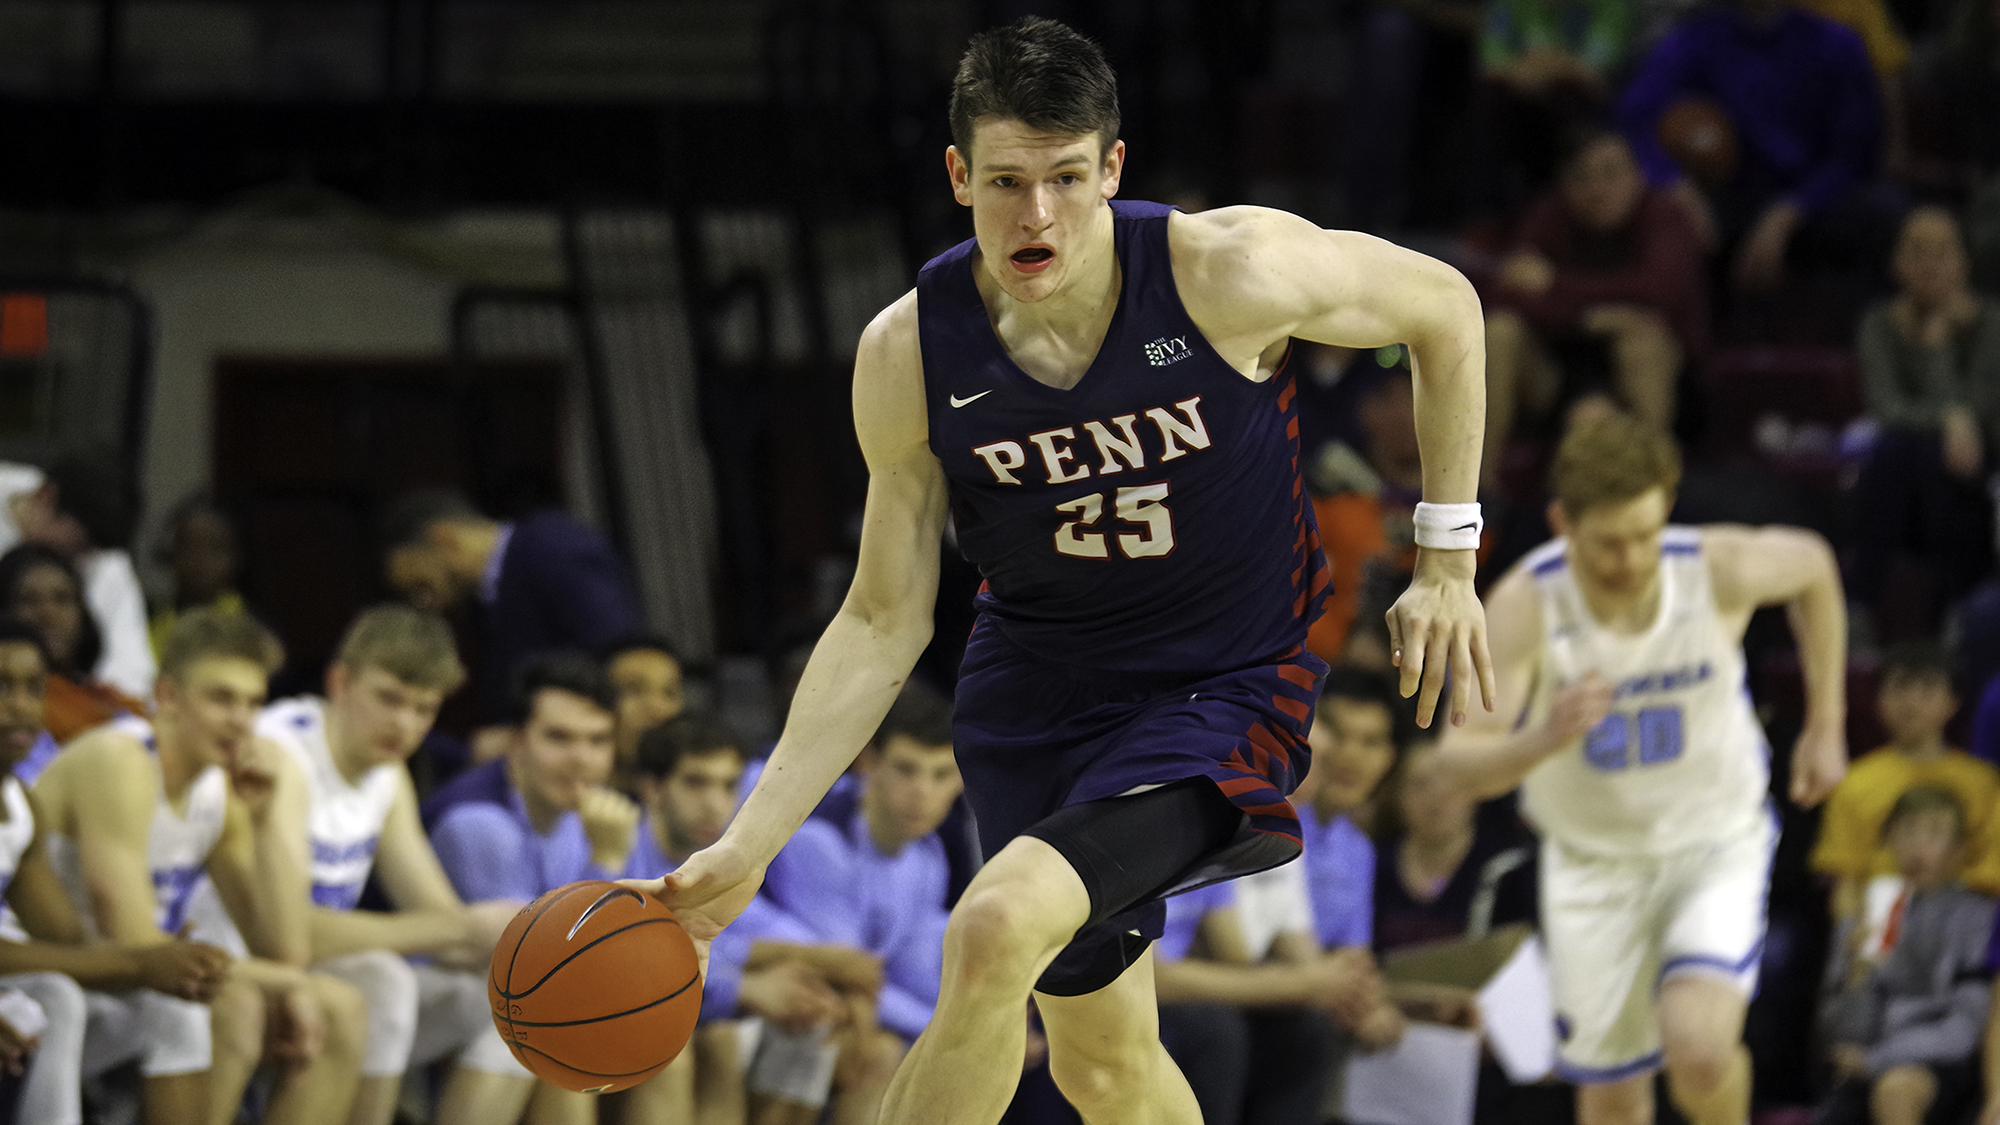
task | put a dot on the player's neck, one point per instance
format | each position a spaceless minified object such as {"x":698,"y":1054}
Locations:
{"x":542,"y":816}
{"x":662,"y":839}
{"x":178,"y":767}
{"x":349,"y":760}
{"x":1922,"y":748}
{"x":1077,"y":314}
{"x":1622,"y":613}
{"x":885,"y":840}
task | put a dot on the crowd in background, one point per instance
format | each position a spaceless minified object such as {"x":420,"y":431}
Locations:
{"x":225,"y":902}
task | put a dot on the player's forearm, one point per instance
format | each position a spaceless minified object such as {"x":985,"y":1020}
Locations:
{"x":337,"y":933}
{"x":1818,"y":617}
{"x":855,"y":672}
{"x":1493,"y":766}
{"x":106,"y":968}
{"x":1448,"y":359}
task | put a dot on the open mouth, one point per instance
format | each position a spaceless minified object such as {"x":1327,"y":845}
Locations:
{"x":1032,"y":259}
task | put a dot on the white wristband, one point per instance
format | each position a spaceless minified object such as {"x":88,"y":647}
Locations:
{"x":1449,"y":527}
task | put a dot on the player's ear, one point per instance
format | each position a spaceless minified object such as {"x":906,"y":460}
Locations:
{"x":1114,"y":168}
{"x":1558,"y":519}
{"x":336,"y":680}
{"x":955,"y":166}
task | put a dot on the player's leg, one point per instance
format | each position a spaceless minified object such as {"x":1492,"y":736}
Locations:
{"x":237,"y":1021}
{"x":1708,"y":1069}
{"x":321,"y":1091}
{"x":790,"y":1076}
{"x":1628,"y":1101}
{"x":1646,"y":360}
{"x":388,"y":987}
{"x":868,"y":1063}
{"x":553,"y":1105}
{"x":1017,"y":914}
{"x":1903,"y":1095}
{"x":487,"y":1086}
{"x":1106,"y":1057}
{"x":477,"y":1096}
{"x":174,"y":1052}
{"x":667,"y":1098}
{"x":49,"y":1094}
{"x":718,"y":1078}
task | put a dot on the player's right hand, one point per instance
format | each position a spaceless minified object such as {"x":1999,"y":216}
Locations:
{"x":1345,"y":984}
{"x":706,"y":893}
{"x":1578,"y":707}
{"x":186,"y":970}
{"x":790,"y":995}
{"x":15,"y":1048}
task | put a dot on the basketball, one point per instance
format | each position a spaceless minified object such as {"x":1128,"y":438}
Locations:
{"x":595,"y":987}
{"x":1701,"y":139}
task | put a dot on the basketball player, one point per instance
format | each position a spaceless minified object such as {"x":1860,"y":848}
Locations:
{"x":1618,"y":646}
{"x":138,"y":812}
{"x":1095,"y":392}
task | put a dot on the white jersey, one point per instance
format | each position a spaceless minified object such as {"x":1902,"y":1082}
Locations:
{"x":177,"y":844}
{"x":346,"y":818}
{"x":1680,"y":761}
{"x":17,"y":833}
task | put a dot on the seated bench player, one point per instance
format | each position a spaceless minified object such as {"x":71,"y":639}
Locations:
{"x":393,"y":669}
{"x":514,"y":828}
{"x":138,"y":812}
{"x":53,"y":965}
{"x":876,"y":877}
{"x":768,"y":966}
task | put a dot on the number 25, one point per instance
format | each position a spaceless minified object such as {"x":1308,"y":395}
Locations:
{"x":1141,"y":505}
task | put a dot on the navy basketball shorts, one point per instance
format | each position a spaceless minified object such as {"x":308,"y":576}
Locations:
{"x":1057,"y":751}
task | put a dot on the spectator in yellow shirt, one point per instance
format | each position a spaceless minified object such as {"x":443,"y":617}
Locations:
{"x":1915,"y":703}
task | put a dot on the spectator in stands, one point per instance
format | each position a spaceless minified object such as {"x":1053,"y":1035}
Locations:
{"x":42,"y":588}
{"x":1253,"y":1028}
{"x":767,"y":964}
{"x":877,"y":879}
{"x":1360,"y":729}
{"x":1807,"y":118}
{"x":393,"y":669}
{"x":1930,"y":366}
{"x":204,"y":559}
{"x":1439,"y":873}
{"x":646,"y":674}
{"x":1362,"y":500}
{"x":541,"y":583}
{"x":1605,"y":276}
{"x":540,"y":817}
{"x":1548,"y":66}
{"x":138,"y":813}
{"x":54,"y":963}
{"x":1915,"y":704}
{"x":1903,"y":1039}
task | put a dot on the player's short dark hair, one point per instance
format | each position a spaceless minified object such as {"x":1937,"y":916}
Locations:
{"x":1038,"y":72}
{"x":690,"y":734}
{"x":209,"y":634}
{"x":1920,"y":799}
{"x":1365,"y":685}
{"x":15,"y":567}
{"x":561,"y":670}
{"x":93,"y":488}
{"x":919,"y":714}
{"x":638,"y":642}
{"x":15,"y":631}
{"x":1915,"y":661}
{"x":408,"y":518}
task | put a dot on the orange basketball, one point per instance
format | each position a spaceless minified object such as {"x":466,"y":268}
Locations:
{"x":595,"y":987}
{"x":1700,"y":138}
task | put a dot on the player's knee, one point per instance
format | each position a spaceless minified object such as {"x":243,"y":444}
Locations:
{"x":1095,"y":1080}
{"x":1902,"y":1093}
{"x":1621,"y":1103}
{"x":236,"y":1018}
{"x":1697,"y":1067}
{"x":388,"y":987}
{"x":880,"y":1055}
{"x":996,"y":930}
{"x":344,"y":1012}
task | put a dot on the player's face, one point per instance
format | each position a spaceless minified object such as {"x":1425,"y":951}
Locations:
{"x":564,"y":749}
{"x":696,"y":802}
{"x":648,"y":682}
{"x":1353,"y":746}
{"x":22,"y":679}
{"x":1916,"y":708}
{"x":1038,"y":202}
{"x":1926,"y":846}
{"x":383,"y":718}
{"x":432,"y":573}
{"x":1602,"y":185}
{"x":1615,"y":548}
{"x":911,"y":786}
{"x":1432,"y":807}
{"x":47,"y":598}
{"x":214,"y":706}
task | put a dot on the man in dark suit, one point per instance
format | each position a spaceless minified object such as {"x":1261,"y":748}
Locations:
{"x":546,"y":581}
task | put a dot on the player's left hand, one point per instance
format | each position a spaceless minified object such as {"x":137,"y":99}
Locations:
{"x":706,"y":893}
{"x":1438,"y":626}
{"x":1819,"y":761}
{"x":253,"y":774}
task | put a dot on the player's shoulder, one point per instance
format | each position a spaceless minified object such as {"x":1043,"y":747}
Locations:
{"x":293,"y":722}
{"x":106,"y":751}
{"x":895,"y":327}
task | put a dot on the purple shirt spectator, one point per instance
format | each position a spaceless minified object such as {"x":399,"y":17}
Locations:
{"x":834,"y":881}
{"x":489,"y":849}
{"x":1799,"y":89}
{"x":1340,"y":871}
{"x":1985,"y":741}
{"x":1184,"y":915}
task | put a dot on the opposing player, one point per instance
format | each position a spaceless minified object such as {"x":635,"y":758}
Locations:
{"x":1095,"y":393}
{"x":1644,"y":769}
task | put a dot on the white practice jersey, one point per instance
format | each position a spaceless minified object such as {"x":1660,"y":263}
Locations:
{"x":346,"y":818}
{"x":1680,"y":760}
{"x":177,"y":844}
{"x":17,"y":833}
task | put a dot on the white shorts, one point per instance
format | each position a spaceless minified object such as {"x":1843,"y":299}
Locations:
{"x":454,"y":1017}
{"x":167,"y":1036}
{"x":1616,"y":927}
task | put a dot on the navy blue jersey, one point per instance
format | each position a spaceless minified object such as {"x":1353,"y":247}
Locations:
{"x":1152,"y":516}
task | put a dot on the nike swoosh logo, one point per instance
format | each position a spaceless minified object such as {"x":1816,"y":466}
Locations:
{"x":957,"y":402}
{"x":1465,"y":527}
